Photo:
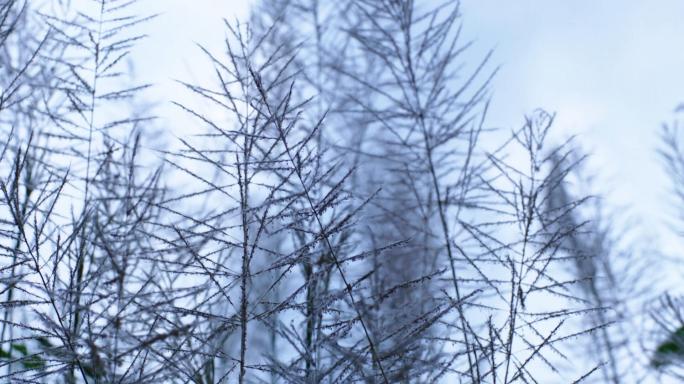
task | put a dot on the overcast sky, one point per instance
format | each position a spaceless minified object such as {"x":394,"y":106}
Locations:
{"x":610,"y":69}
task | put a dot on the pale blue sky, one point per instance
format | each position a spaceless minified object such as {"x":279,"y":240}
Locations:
{"x":613,"y":71}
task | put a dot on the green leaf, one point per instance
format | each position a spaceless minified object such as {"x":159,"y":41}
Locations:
{"x":5,"y":355}
{"x":21,"y":348}
{"x":33,"y":362}
{"x":93,"y":371}
{"x":44,"y":342}
{"x":669,"y":350}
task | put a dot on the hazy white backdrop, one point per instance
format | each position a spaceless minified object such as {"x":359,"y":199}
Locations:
{"x":613,"y":71}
